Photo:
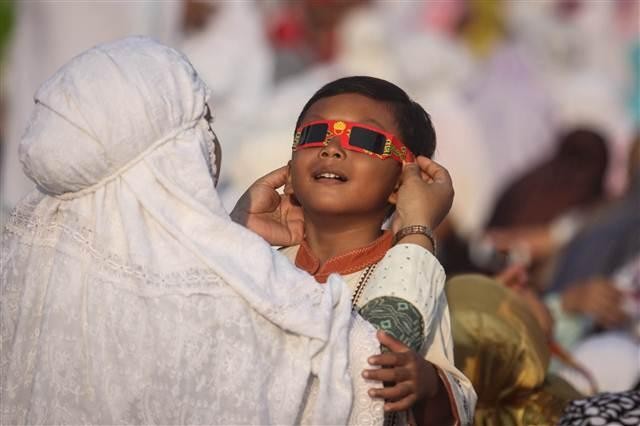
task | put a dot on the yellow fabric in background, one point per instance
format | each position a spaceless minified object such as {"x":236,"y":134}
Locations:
{"x":501,"y":348}
{"x":484,"y":25}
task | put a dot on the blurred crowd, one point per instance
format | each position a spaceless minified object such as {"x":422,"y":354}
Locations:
{"x":536,"y":106}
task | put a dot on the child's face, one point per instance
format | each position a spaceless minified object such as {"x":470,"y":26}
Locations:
{"x":333,"y":180}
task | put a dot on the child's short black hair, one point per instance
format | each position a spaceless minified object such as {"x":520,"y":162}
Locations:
{"x":415,"y":125}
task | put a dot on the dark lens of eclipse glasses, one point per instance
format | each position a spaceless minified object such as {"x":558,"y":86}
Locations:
{"x":367,"y":139}
{"x":313,"y":134}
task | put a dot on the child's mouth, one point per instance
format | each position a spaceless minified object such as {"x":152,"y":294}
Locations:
{"x":330,"y":176}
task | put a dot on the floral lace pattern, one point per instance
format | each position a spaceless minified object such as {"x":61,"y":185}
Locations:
{"x":97,"y":353}
{"x":365,"y":410}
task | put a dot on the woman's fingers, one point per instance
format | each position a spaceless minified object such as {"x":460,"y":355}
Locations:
{"x":276,"y":178}
{"x":410,"y":171}
{"x":433,"y":170}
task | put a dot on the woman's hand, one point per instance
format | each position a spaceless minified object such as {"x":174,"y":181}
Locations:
{"x":425,"y":195}
{"x":410,"y":377}
{"x":275,"y":217}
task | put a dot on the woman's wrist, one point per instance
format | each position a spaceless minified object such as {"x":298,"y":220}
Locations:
{"x":417,"y":234}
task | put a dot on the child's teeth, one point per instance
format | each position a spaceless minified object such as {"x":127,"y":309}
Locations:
{"x":329,"y":176}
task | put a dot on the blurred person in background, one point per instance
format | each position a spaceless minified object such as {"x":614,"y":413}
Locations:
{"x":520,"y":105}
{"x":572,"y":178}
{"x":48,"y":33}
{"x":594,"y":292}
{"x":592,"y":280}
{"x":304,"y":33}
{"x":579,"y":50}
{"x":436,"y":65}
{"x":227,"y":43}
{"x":541,"y":210}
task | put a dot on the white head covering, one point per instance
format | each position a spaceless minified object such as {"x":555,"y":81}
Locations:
{"x":128,"y":295}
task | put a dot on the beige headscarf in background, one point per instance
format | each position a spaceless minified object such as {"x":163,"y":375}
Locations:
{"x":501,"y":348}
{"x":129,"y":296}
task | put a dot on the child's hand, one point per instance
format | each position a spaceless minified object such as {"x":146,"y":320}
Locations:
{"x":275,"y":217}
{"x":410,"y":377}
{"x":425,"y":195}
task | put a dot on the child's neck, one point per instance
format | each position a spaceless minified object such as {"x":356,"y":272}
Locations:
{"x":330,"y":238}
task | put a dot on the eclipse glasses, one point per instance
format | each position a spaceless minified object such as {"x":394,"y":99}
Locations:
{"x":354,"y":137}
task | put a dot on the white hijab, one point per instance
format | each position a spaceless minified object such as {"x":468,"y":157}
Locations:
{"x":128,"y":295}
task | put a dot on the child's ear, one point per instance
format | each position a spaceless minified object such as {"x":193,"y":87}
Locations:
{"x":288,"y":188}
{"x":393,"y":197}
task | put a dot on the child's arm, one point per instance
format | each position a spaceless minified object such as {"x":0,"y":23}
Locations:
{"x":412,"y":273}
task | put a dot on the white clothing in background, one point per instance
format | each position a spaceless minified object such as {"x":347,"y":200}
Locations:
{"x":515,"y":115}
{"x":46,"y":35}
{"x":437,"y":86}
{"x":581,"y":60}
{"x":612,"y":358}
{"x":233,"y":57}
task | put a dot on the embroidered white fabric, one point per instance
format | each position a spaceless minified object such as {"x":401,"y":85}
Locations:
{"x":129,"y":296}
{"x":366,"y":410}
{"x":413,"y":273}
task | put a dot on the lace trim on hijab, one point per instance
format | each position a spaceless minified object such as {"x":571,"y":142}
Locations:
{"x":112,"y":268}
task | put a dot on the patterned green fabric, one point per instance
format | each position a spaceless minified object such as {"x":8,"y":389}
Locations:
{"x":396,"y":317}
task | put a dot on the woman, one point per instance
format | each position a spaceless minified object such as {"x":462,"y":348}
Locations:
{"x":130,"y":296}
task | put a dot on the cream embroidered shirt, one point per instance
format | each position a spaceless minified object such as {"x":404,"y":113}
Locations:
{"x":420,"y":282}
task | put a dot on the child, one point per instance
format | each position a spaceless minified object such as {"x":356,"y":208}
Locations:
{"x":352,"y":139}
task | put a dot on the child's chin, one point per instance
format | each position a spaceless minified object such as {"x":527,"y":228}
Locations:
{"x":328,"y":207}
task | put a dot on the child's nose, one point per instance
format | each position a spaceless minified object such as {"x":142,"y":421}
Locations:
{"x":333,"y":149}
